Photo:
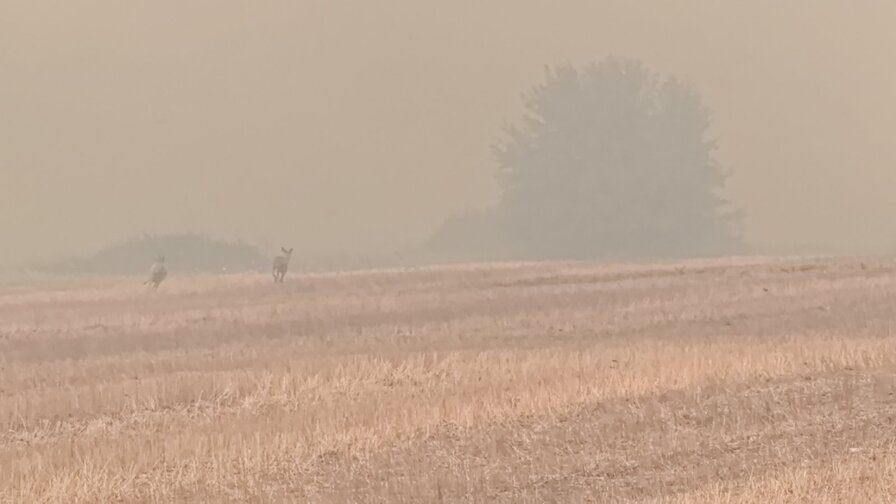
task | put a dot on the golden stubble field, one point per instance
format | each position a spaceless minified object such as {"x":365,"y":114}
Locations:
{"x":732,"y":380}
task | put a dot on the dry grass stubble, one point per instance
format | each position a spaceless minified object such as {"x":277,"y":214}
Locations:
{"x":730,"y":380}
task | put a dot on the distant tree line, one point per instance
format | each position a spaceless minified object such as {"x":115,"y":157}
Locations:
{"x":184,"y":253}
{"x":609,"y":161}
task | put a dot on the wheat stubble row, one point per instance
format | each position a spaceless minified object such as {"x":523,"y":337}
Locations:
{"x":526,"y":382}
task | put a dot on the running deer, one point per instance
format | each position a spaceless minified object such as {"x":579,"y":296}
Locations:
{"x":281,"y":264}
{"x":157,"y":273}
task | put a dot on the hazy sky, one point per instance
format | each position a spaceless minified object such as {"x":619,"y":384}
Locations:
{"x":358,"y":126}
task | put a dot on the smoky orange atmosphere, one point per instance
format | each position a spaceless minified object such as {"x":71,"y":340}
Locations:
{"x":346,"y":126}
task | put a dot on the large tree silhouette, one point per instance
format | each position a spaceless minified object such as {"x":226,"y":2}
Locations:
{"x":610,"y":160}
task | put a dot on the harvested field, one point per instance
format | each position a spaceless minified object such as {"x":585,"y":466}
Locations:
{"x":732,"y":380}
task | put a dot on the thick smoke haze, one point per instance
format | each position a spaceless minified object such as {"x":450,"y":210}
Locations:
{"x":358,"y":127}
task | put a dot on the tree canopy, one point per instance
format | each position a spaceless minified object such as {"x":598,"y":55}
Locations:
{"x":610,"y":160}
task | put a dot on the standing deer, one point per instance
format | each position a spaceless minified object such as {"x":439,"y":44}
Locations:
{"x":281,"y":264}
{"x":157,"y":273}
